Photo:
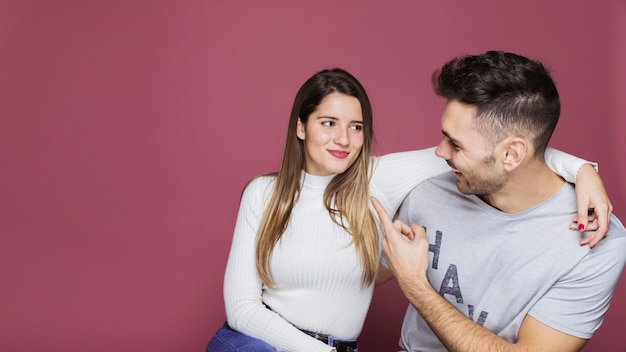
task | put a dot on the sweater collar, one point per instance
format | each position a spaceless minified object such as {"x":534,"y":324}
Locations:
{"x":315,"y":182}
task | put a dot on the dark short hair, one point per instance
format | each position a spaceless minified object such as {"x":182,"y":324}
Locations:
{"x":512,"y":94}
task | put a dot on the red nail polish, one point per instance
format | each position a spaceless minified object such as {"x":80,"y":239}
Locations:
{"x":581,"y":227}
{"x":591,"y":246}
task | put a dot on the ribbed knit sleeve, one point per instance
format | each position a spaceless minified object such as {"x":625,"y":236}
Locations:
{"x":395,"y":175}
{"x":243,"y":287}
{"x":565,"y":165}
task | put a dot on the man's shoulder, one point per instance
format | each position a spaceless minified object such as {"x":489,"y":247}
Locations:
{"x":441,"y":183}
{"x":617,"y":232}
{"x":435,"y":193}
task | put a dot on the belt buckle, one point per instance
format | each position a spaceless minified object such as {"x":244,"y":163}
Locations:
{"x":343,"y":348}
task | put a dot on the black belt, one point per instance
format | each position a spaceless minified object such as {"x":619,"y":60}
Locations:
{"x":340,"y":345}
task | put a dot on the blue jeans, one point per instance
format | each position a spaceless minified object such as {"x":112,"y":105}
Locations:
{"x":229,"y":340}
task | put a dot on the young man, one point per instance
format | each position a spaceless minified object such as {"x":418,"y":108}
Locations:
{"x":490,"y":267}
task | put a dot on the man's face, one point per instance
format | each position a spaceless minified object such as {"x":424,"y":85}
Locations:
{"x":467,"y":152}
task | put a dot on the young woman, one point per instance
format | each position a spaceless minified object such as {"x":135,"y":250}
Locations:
{"x":305,"y":251}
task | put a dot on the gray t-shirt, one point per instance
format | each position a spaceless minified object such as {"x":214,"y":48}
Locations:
{"x":497,"y":267}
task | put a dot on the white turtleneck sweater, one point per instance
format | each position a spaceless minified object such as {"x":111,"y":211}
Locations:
{"x":315,"y":268}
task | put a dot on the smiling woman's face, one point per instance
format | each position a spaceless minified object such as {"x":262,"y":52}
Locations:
{"x":332,"y":135}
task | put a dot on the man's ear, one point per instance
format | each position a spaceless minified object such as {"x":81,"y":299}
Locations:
{"x":300,"y":129}
{"x":515,"y":151}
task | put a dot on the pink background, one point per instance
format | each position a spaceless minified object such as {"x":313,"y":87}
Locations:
{"x":129,"y":128}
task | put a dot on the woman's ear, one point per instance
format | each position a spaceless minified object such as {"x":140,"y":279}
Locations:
{"x":300,"y":129}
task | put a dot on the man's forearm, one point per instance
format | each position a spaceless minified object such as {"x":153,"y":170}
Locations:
{"x":456,"y":331}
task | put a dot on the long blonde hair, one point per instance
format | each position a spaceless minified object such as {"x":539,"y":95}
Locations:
{"x":347,"y":195}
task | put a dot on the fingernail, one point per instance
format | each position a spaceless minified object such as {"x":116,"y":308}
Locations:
{"x":591,"y":246}
{"x":581,"y":227}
